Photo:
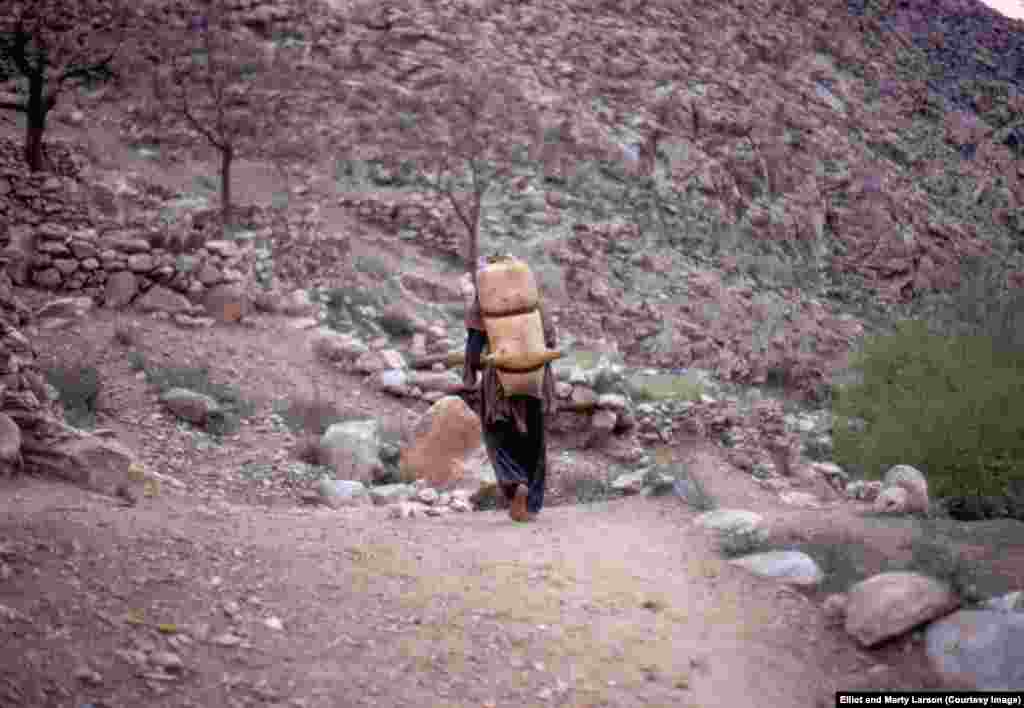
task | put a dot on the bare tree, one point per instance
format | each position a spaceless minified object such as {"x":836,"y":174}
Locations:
{"x":465,"y":129}
{"x":49,"y":46}
{"x":226,"y":86}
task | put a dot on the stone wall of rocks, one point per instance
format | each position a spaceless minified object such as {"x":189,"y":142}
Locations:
{"x":118,"y":267}
{"x":56,"y":240}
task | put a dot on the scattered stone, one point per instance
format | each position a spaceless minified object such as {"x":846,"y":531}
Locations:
{"x":889,"y":604}
{"x":189,"y":405}
{"x":863,"y":491}
{"x":274,"y":623}
{"x":612,"y":401}
{"x":167,"y":660}
{"x":428,"y":496}
{"x":88,"y":675}
{"x":803,"y":500}
{"x":461,"y":505}
{"x":831,"y":473}
{"x":390,"y":494}
{"x":337,"y":493}
{"x":394,"y":381}
{"x":630,"y":482}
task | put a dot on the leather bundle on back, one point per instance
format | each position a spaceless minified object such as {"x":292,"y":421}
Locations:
{"x":509,"y":300}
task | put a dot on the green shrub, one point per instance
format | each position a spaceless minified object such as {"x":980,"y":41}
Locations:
{"x":953,"y":406}
{"x":693,"y":491}
{"x":373,"y":265}
{"x":79,"y":387}
{"x":312,"y":415}
{"x":588,"y":490}
{"x":939,"y":561}
{"x":396,"y":325}
{"x":197,"y":378}
{"x":736,"y":544}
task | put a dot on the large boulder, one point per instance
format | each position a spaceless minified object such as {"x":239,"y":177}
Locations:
{"x":889,"y":604}
{"x":352,"y":449}
{"x":443,"y":438}
{"x":983,"y":648}
{"x":100,"y":464}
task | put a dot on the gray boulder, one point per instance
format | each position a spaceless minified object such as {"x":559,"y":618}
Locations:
{"x":352,"y":449}
{"x":983,"y":648}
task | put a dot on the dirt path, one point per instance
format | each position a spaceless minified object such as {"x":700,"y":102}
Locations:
{"x":246,"y":598}
{"x":618,"y":604}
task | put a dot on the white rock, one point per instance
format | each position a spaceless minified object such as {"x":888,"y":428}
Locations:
{"x":428,"y":496}
{"x":791,"y":567}
{"x":337,"y":493}
{"x":630,"y":482}
{"x":734,"y":522}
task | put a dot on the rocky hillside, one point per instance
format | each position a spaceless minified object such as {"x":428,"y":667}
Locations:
{"x":820,"y":183}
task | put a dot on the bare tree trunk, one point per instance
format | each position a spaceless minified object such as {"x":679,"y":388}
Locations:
{"x":227,"y":156}
{"x":36,"y":121}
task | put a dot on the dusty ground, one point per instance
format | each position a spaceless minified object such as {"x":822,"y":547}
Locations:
{"x":617,"y":604}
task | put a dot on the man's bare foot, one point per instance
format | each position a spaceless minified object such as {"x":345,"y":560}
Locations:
{"x":517,"y":511}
